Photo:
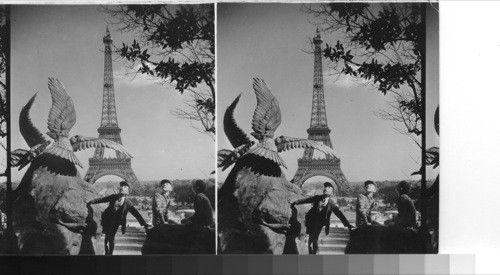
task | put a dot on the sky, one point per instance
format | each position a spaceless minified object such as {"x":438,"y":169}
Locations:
{"x":66,"y":42}
{"x":271,"y":41}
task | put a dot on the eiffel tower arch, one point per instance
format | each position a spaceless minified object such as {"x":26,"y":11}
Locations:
{"x":321,"y":167}
{"x":120,"y":165}
{"x":329,"y":166}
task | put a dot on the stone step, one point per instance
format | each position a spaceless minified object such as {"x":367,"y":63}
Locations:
{"x":126,"y":252}
{"x":321,"y":252}
{"x":130,"y":234}
{"x":131,"y":237}
{"x":325,"y":242}
{"x":333,"y":243}
{"x":121,"y":245}
{"x":135,"y":241}
{"x":130,"y":243}
{"x":334,"y":235}
{"x":133,"y":231}
{"x":339,"y":230}
{"x":334,"y":238}
{"x":328,"y":251}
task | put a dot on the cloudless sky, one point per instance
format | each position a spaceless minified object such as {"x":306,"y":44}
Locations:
{"x":271,"y":41}
{"x":66,"y":42}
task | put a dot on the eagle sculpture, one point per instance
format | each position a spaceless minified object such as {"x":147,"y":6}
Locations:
{"x":266,"y":119}
{"x":62,"y":118}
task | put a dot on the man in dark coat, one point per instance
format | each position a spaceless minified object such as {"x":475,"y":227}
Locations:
{"x":203,"y":212}
{"x":407,"y":214}
{"x":116,"y":215}
{"x":319,"y":215}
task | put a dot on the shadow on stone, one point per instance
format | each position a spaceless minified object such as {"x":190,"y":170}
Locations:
{"x":385,"y":240}
{"x":179,"y":239}
{"x":292,"y":234}
{"x":257,"y":164}
{"x":87,"y":247}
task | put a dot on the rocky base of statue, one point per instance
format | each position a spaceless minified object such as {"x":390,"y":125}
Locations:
{"x":179,"y":239}
{"x":8,"y":242}
{"x":50,"y":214}
{"x":254,"y":213}
{"x":385,"y":240}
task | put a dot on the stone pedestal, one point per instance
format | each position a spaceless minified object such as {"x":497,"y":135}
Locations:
{"x":385,"y":240}
{"x":179,"y":239}
{"x":50,"y":215}
{"x":254,"y":210}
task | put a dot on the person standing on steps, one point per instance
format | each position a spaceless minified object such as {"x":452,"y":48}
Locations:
{"x":319,"y":215}
{"x":116,"y":215}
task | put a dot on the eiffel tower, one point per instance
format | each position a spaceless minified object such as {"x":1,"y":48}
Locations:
{"x":319,"y":131}
{"x":100,"y":166}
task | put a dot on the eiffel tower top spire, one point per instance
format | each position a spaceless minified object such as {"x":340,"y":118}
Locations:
{"x":109,"y":117}
{"x":107,"y":39}
{"x":318,"y":112}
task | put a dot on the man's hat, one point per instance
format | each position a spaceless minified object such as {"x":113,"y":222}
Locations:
{"x":124,"y":183}
{"x":165,"y":181}
{"x":368,"y":182}
{"x":328,"y":184}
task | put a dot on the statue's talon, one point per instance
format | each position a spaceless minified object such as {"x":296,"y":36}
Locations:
{"x":74,"y":227}
{"x":71,"y":226}
{"x":280,"y":228}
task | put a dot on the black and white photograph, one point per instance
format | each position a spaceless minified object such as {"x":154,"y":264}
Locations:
{"x":212,"y":137}
{"x":4,"y":44}
{"x":113,"y":130}
{"x":331,"y":120}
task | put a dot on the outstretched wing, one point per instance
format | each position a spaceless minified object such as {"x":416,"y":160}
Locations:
{"x":287,"y":143}
{"x":234,"y":133}
{"x":61,"y":149}
{"x":267,"y":115}
{"x":62,"y":115}
{"x":17,"y":157}
{"x":22,"y":157}
{"x":82,"y":143}
{"x":264,"y":151}
{"x":224,"y":159}
{"x":30,"y":133}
